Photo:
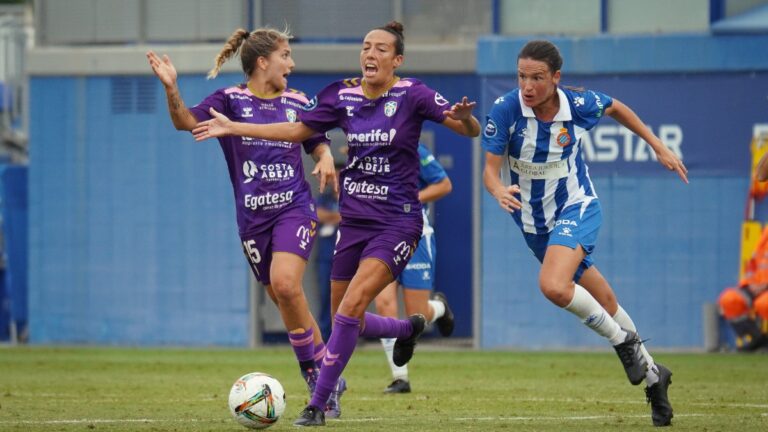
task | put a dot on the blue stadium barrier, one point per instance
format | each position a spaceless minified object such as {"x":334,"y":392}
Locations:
{"x":13,"y":185}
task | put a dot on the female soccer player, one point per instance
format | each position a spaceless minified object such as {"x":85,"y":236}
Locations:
{"x":275,"y":212}
{"x":538,"y":126}
{"x":418,"y":277}
{"x":381,"y":224}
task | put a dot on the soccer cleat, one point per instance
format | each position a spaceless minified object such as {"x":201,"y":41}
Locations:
{"x":310,"y":377}
{"x":403,"y":350}
{"x":398,"y":386}
{"x":333,"y":406}
{"x":656,"y":395}
{"x":445,"y":322}
{"x":632,"y":358}
{"x":311,"y":416}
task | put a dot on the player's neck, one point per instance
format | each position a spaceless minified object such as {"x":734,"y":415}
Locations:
{"x":263,"y":89}
{"x":373,"y":92}
{"x":547,"y":110}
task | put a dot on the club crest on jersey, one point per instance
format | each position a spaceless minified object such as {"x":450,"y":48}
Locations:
{"x":290,"y":114}
{"x":563,"y":139}
{"x":390,"y":108}
{"x":250,"y":171}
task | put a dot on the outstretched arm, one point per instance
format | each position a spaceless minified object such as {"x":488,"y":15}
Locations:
{"x":460,"y":119}
{"x":220,"y":125}
{"x":627,"y":118}
{"x":164,"y":70}
{"x":505,"y":195}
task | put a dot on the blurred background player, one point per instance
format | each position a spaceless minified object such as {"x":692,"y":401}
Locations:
{"x":418,"y":278}
{"x":538,"y":127}
{"x":745,"y":307}
{"x":272,"y":198}
{"x":381,"y":220}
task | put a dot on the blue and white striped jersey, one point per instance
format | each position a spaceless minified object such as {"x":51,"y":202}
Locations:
{"x":545,"y":158}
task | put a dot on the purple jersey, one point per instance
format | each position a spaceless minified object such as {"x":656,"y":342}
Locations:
{"x":267,"y":176}
{"x":381,"y":178}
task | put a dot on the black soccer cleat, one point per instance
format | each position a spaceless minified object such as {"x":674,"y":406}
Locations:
{"x":398,"y":386}
{"x":311,"y":416}
{"x":445,"y":322}
{"x":656,"y":395}
{"x":632,"y":358}
{"x":403,"y":350}
{"x":333,"y":407}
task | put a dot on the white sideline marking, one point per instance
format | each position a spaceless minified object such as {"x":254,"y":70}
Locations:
{"x":560,"y":418}
{"x":353,"y":420}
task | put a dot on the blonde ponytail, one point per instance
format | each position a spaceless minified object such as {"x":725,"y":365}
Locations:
{"x":230,"y":48}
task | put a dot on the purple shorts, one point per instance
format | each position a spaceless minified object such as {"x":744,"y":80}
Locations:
{"x":292,"y":231}
{"x":359,"y":239}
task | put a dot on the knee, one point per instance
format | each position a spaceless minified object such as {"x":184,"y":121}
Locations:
{"x":555,"y":290}
{"x":732,"y":303}
{"x":353,"y":304}
{"x":286,"y":289}
{"x":761,"y":306}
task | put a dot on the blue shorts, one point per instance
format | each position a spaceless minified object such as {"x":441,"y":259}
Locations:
{"x":575,"y":226}
{"x":419,"y":273}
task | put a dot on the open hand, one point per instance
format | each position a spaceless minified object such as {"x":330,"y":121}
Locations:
{"x":163,"y":68}
{"x":218,"y":126}
{"x":461,"y":110}
{"x":671,"y":162}
{"x":326,"y":173}
{"x":507,"y":198}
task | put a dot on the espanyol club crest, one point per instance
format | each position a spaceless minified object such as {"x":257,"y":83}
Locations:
{"x":390,"y":108}
{"x":563,"y":138}
{"x":290,"y":114}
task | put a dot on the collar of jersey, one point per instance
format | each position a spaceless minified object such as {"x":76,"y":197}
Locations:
{"x":564,"y":114}
{"x":388,"y":88}
{"x":263,"y":96}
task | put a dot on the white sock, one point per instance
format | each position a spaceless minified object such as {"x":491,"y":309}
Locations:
{"x":624,"y":320}
{"x":438,"y":309}
{"x":398,"y":372}
{"x":584,"y":306}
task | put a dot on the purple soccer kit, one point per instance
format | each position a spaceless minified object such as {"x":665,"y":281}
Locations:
{"x":275,"y":209}
{"x":379,"y":205}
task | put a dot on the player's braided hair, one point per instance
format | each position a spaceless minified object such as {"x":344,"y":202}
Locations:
{"x":251,"y":45}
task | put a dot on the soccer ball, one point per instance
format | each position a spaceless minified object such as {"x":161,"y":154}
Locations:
{"x":257,"y":400}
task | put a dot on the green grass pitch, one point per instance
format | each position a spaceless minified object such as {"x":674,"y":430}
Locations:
{"x":123,"y":389}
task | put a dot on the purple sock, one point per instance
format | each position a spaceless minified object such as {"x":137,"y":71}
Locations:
{"x":319,"y":354}
{"x":339,"y":350}
{"x":377,"y":326}
{"x":303,"y":345}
